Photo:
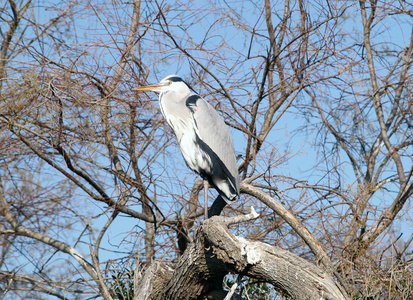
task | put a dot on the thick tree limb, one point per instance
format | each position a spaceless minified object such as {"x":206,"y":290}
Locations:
{"x":299,"y":228}
{"x":217,"y":252}
{"x":153,"y":281}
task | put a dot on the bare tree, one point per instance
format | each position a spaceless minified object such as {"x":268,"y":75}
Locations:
{"x":96,"y":200}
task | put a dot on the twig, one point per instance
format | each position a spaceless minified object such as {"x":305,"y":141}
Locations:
{"x":242,"y":218}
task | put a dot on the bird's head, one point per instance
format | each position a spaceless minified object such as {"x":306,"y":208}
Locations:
{"x":169,"y":83}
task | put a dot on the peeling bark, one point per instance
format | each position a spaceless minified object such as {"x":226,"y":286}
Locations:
{"x":217,"y":252}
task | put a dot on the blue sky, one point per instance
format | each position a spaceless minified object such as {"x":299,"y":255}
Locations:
{"x":287,"y":137}
{"x":220,"y":40}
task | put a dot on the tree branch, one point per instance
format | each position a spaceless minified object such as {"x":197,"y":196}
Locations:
{"x":216,"y":252}
{"x":298,"y":227}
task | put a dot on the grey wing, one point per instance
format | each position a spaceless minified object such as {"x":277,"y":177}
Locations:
{"x":214,"y":133}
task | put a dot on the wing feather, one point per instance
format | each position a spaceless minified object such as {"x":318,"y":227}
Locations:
{"x":213,"y":131}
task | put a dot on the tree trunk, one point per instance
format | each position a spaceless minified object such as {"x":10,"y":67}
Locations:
{"x":217,"y":252}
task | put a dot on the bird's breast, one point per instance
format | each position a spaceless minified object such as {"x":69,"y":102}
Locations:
{"x":196,"y":159}
{"x":181,"y":120}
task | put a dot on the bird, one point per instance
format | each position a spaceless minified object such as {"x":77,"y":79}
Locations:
{"x":202,"y":135}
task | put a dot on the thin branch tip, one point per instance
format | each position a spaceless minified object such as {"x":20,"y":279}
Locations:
{"x":254,"y":213}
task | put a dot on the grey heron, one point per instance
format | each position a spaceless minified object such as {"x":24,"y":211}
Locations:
{"x":202,"y":136}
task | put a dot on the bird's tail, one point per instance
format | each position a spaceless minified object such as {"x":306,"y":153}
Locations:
{"x":217,"y":207}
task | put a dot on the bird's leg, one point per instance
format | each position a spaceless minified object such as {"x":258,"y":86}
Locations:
{"x":206,"y":184}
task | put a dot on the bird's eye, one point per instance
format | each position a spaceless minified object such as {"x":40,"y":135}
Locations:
{"x":169,"y":82}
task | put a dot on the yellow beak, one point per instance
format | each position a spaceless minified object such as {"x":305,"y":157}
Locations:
{"x":153,"y":87}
